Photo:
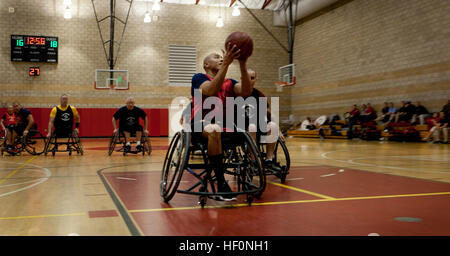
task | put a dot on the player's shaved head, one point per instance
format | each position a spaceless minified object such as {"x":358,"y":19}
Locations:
{"x":211,"y":60}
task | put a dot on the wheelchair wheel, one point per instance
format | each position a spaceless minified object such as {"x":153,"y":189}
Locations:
{"x":174,"y":165}
{"x":34,"y":142}
{"x":281,"y":156}
{"x":249,"y":170}
{"x":112,"y":143}
{"x":2,"y":137}
{"x":48,"y":143}
{"x":146,"y":145}
{"x":77,"y":143}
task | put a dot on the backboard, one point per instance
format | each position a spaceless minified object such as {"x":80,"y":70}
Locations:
{"x":112,"y":79}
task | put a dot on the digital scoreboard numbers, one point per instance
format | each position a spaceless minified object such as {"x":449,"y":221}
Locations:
{"x":34,"y":48}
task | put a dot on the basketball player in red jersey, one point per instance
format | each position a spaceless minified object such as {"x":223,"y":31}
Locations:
{"x":213,"y":83}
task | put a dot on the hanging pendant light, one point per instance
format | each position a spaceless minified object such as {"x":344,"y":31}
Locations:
{"x":236,"y":11}
{"x":67,"y":13}
{"x":219,"y":23}
{"x":156,"y":6}
{"x":147,"y":18}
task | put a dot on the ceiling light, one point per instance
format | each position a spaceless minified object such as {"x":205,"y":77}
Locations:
{"x":156,"y":6}
{"x":236,"y":11}
{"x":67,"y":13}
{"x":219,"y":23}
{"x":147,"y":18}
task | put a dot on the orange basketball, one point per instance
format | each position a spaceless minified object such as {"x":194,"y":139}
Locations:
{"x":243,"y":42}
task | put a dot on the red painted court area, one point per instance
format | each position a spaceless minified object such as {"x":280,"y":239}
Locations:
{"x":315,"y":200}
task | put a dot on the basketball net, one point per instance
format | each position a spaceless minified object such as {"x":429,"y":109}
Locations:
{"x":286,"y":84}
{"x":112,"y":88}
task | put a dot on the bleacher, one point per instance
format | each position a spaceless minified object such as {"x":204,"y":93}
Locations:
{"x":342,"y":133}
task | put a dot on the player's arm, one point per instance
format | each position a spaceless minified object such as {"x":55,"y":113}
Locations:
{"x":2,"y":124}
{"x":146,"y":125}
{"x":211,"y":88}
{"x":77,"y":117}
{"x":30,"y":123}
{"x":244,"y":88}
{"x":114,"y":122}
{"x":51,"y":121}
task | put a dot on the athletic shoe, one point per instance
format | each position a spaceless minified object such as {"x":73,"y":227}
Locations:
{"x":269,"y":164}
{"x":225,"y":188}
{"x":139,"y":148}
{"x":127,"y":148}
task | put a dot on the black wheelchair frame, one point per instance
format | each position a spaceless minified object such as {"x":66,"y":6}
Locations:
{"x":281,"y":158}
{"x":241,"y":160}
{"x":119,"y":137}
{"x":33,"y":143}
{"x":73,"y":143}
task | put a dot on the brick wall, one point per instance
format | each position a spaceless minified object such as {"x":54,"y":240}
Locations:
{"x":144,"y":51}
{"x":372,"y":51}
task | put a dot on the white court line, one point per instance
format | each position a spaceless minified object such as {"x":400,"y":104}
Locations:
{"x":352,"y":161}
{"x":296,"y":179}
{"x":123,"y":178}
{"x":327,"y":175}
{"x":46,"y":171}
{"x":16,"y":184}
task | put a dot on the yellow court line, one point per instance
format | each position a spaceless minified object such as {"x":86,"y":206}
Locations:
{"x":239,"y":205}
{"x":42,"y":216}
{"x":16,"y":170}
{"x":292,"y":202}
{"x":301,"y":190}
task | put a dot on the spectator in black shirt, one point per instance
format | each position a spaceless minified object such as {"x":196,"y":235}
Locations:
{"x":446,"y":109}
{"x":406,"y":112}
{"x":421,"y":113}
{"x":384,"y":117}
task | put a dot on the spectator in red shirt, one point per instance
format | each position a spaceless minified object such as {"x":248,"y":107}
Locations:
{"x":353,"y":119}
{"x":368,"y":113}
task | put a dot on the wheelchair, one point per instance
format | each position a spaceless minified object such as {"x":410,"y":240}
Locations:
{"x":73,"y":143}
{"x":242,"y":161}
{"x":281,"y":159}
{"x":33,"y":143}
{"x":119,"y":138}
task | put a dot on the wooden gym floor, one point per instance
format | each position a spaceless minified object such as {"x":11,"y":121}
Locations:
{"x":335,"y":187}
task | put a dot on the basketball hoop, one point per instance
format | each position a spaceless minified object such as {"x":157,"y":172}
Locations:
{"x":106,"y":79}
{"x":112,"y":88}
{"x":286,"y":76}
{"x":286,"y":84}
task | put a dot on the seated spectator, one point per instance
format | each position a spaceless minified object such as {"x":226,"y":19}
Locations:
{"x":432,"y":122}
{"x":406,"y":112}
{"x":392,"y":112}
{"x":446,"y":109}
{"x":384,"y":117}
{"x":441,"y":128}
{"x":353,"y":119}
{"x":307,"y":124}
{"x":421,"y":113}
{"x":368,"y":113}
{"x":354,"y":114}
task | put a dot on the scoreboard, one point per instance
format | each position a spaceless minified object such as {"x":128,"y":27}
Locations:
{"x":34,"y":48}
